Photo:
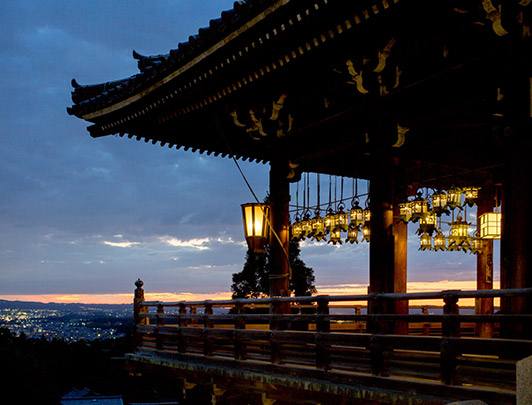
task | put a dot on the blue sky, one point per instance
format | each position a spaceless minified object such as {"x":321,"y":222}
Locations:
{"x":89,"y":216}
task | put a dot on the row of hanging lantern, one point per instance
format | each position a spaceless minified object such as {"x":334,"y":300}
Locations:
{"x":444,"y":203}
{"x":336,"y":222}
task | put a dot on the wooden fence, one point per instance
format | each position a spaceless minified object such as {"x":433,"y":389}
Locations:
{"x":336,"y":333}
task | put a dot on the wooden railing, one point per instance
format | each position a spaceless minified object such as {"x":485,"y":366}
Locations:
{"x":318,"y":333}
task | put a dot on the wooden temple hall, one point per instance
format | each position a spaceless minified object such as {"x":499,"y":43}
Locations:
{"x":409,"y":95}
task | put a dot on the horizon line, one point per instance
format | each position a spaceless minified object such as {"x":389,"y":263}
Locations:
{"x":127,"y":298}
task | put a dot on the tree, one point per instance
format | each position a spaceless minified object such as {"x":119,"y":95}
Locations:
{"x":253,"y":281}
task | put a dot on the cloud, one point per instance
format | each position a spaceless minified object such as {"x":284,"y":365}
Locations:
{"x":121,"y":244}
{"x":191,"y":243}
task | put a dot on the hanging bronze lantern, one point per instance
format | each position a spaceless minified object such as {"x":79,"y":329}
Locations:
{"x":335,"y":236}
{"x":420,"y":208}
{"x":427,"y":224}
{"x":341,"y":219}
{"x":459,"y":238}
{"x":425,"y":242}
{"x":306,"y":226}
{"x":440,"y":242}
{"x":490,"y":225}
{"x":256,"y":225}
{"x":356,"y":214}
{"x":405,"y":212}
{"x":352,"y":234}
{"x":470,"y":195}
{"x":296,"y":230}
{"x":366,"y":232}
{"x":318,"y":227}
{"x":439,"y":203}
{"x":476,"y":244}
{"x":454,"y":198}
{"x":329,"y":220}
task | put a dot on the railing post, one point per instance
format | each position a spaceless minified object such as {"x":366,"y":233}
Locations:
{"x":426,"y":325}
{"x":182,"y":343}
{"x":276,"y":356}
{"x":138,"y":310}
{"x":323,"y":326}
{"x":208,"y":345}
{"x":240,"y":323}
{"x":375,"y":307}
{"x":160,"y":322}
{"x":358,"y":324}
{"x":193,"y":311}
{"x":450,"y":328}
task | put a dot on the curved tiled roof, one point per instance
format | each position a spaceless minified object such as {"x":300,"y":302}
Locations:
{"x":90,"y":98}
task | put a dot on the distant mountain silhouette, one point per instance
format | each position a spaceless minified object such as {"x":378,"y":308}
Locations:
{"x":5,"y":304}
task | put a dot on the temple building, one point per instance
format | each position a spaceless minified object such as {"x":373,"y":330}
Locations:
{"x":410,"y":95}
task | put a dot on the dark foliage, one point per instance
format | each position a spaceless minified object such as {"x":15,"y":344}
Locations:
{"x":253,"y":282}
{"x":39,"y":371}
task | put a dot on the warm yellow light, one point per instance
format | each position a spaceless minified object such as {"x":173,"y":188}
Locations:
{"x":256,"y":227}
{"x":490,"y":225}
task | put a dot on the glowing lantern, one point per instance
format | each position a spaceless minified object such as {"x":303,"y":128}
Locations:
{"x":405,"y":212}
{"x":306,"y":226}
{"x":440,"y":241}
{"x":352,"y":234}
{"x":420,"y":208}
{"x":458,"y":238}
{"x":318,"y":227}
{"x":427,"y":224}
{"x":476,"y":244}
{"x":296,"y":229}
{"x":329,"y":221}
{"x":256,"y":225}
{"x":425,"y":242}
{"x":356,"y":214}
{"x":367,"y":215}
{"x":341,"y":219}
{"x":336,"y":236}
{"x":439,"y":203}
{"x":454,"y":198}
{"x":366,"y":231}
{"x":470,"y":195}
{"x":490,"y":225}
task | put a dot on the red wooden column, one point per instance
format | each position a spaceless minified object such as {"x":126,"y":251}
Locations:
{"x":516,"y":246}
{"x":280,"y":198}
{"x":484,"y":306}
{"x":388,"y":243}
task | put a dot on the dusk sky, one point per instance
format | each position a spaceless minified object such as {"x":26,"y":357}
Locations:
{"x":83,"y":217}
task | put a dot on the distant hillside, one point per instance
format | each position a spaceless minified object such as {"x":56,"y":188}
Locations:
{"x":5,"y":304}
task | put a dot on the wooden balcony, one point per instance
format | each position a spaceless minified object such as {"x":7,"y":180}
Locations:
{"x":328,"y":348}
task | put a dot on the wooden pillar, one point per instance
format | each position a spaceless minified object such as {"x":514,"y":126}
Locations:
{"x":484,"y":306}
{"x":516,"y":246}
{"x":388,"y":245}
{"x":280,"y":198}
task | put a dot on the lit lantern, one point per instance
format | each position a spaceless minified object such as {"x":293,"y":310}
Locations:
{"x":256,"y":225}
{"x":366,"y":231}
{"x":427,"y":224}
{"x":490,"y":225}
{"x":318,"y":227}
{"x":296,"y":229}
{"x":420,"y":208}
{"x":454,"y":198}
{"x":352,"y":234}
{"x":476,"y":244}
{"x":329,"y":221}
{"x":341,"y":219}
{"x":440,"y":242}
{"x":367,"y":216}
{"x":470,"y":195}
{"x":356,"y":214}
{"x":439,"y":203}
{"x":458,"y":238}
{"x":425,"y":242}
{"x":336,"y":236}
{"x":405,"y":212}
{"x":306,"y":226}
